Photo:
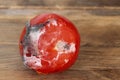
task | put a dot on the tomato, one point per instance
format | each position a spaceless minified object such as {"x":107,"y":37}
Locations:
{"x":49,"y":43}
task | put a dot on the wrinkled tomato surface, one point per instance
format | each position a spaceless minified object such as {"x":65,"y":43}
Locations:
{"x":49,"y":43}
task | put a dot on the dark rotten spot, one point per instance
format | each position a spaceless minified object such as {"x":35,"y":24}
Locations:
{"x":67,"y":46}
{"x":29,"y":28}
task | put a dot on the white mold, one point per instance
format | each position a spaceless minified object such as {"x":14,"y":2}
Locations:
{"x":34,"y":37}
{"x":54,"y":22}
{"x":60,"y":47}
{"x":36,"y":62}
{"x":66,"y":60}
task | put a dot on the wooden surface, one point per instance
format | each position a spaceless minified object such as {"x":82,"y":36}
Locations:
{"x":98,"y":22}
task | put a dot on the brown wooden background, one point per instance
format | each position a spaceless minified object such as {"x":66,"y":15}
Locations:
{"x":98,"y":21}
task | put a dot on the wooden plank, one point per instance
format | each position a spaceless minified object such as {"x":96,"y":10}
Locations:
{"x":99,"y":57}
{"x":92,"y":27}
{"x":60,"y":3}
{"x":30,"y":75}
{"x":39,"y":3}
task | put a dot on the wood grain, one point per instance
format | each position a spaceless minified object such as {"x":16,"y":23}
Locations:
{"x":98,"y":23}
{"x":65,"y":3}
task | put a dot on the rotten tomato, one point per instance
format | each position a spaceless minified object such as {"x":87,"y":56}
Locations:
{"x":49,"y":43}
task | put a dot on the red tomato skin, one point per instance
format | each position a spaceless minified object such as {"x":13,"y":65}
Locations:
{"x":75,"y":38}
